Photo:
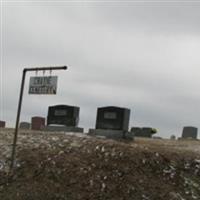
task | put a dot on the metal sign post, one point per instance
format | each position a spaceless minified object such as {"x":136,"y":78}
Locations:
{"x":20,"y":104}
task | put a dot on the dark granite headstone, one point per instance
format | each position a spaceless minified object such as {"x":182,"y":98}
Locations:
{"x":63,"y":115}
{"x":189,"y":132}
{"x":2,"y":124}
{"x":112,"y":122}
{"x":113,"y":118}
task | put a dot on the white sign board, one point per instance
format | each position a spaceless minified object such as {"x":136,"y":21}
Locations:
{"x":43,"y":85}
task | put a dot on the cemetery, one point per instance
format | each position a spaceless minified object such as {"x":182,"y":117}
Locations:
{"x":100,"y":100}
{"x":53,"y":158}
{"x":111,"y":122}
{"x":56,"y":159}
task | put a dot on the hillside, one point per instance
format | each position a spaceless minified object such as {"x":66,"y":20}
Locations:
{"x":63,"y":166}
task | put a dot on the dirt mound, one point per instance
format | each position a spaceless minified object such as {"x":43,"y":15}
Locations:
{"x":72,"y":167}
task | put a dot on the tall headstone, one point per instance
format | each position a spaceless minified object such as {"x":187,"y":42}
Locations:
{"x":112,"y":122}
{"x":63,"y":115}
{"x":63,"y":118}
{"x":189,"y":132}
{"x":113,"y":118}
{"x":37,"y":123}
{"x":2,"y":124}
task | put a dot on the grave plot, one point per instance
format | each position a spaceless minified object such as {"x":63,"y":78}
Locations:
{"x":112,"y":122}
{"x":37,"y":123}
{"x":189,"y":132}
{"x":63,"y":118}
{"x":25,"y":125}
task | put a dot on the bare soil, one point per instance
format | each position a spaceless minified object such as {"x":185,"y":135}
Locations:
{"x":59,"y":166}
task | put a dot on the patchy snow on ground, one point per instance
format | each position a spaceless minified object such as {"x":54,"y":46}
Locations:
{"x":59,"y":165}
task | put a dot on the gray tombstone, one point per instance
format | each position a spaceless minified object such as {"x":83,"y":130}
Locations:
{"x":112,"y":122}
{"x":143,"y":132}
{"x":136,"y":131}
{"x":172,"y":137}
{"x":189,"y":132}
{"x":25,"y":125}
{"x":2,"y":124}
{"x":63,"y":118}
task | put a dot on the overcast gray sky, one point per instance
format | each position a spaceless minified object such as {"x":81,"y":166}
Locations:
{"x":143,"y":56}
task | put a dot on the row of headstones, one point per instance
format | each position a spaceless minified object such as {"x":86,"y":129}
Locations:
{"x":111,"y":122}
{"x":37,"y":123}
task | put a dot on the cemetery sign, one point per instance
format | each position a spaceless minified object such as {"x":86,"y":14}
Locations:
{"x":38,"y":85}
{"x":43,"y":85}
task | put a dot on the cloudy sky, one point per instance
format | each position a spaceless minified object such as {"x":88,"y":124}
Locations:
{"x":144,"y":56}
